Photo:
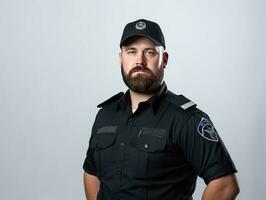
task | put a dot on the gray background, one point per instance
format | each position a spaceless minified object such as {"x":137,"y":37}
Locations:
{"x":59,"y":59}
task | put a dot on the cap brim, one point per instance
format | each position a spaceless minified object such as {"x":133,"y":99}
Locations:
{"x":157,"y":43}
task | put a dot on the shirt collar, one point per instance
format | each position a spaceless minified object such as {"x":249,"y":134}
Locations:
{"x":124,"y":101}
{"x":154,"y":101}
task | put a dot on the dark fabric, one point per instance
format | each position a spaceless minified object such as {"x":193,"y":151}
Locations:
{"x":148,"y":29}
{"x":155,"y":153}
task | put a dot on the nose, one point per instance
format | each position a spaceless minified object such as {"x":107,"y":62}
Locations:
{"x":141,"y":59}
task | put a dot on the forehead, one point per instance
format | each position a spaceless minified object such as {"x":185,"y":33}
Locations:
{"x":138,"y":41}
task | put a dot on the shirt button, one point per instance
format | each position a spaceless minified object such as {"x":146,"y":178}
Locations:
{"x":146,"y":146}
{"x":122,"y":144}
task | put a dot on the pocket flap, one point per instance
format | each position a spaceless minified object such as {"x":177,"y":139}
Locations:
{"x":151,"y":140}
{"x":105,"y":137}
{"x":104,"y":141}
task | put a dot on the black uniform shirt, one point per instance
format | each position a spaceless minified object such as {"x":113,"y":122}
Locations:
{"x":155,"y":153}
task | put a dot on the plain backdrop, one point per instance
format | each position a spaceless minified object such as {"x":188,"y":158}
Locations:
{"x":59,"y":59}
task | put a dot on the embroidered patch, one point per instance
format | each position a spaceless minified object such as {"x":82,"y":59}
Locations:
{"x":207,"y":130}
{"x":140,"y":25}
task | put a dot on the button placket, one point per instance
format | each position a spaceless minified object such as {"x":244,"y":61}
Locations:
{"x":118,"y":171}
{"x":130,"y":120}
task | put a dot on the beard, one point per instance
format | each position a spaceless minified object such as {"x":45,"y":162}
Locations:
{"x":144,"y":83}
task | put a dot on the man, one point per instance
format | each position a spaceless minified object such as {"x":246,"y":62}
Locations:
{"x":149,"y":143}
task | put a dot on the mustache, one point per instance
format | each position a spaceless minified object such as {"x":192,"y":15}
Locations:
{"x":139,"y":68}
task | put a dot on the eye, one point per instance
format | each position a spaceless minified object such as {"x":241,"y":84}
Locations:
{"x":131,"y":52}
{"x":150,"y":52}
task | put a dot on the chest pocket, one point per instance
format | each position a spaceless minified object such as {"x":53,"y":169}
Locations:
{"x":149,"y":148}
{"x":103,"y":141}
{"x":150,"y":140}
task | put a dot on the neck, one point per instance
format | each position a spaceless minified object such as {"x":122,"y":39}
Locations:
{"x":136,"y":98}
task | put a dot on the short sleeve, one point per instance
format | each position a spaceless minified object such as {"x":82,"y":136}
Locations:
{"x":204,"y":149}
{"x":89,"y":165}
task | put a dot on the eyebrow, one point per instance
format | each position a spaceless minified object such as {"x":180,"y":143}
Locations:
{"x":150,"y":48}
{"x":130,"y":48}
{"x":133,"y":48}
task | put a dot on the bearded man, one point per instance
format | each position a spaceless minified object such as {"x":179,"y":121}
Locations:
{"x":149,"y":143}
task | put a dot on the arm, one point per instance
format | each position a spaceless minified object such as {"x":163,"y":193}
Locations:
{"x":224,"y":188}
{"x":92,"y":186}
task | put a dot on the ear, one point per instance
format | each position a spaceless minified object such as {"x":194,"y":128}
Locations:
{"x":120,"y":57}
{"x":165,"y":58}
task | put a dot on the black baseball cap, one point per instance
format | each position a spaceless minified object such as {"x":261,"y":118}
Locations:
{"x":146,"y":28}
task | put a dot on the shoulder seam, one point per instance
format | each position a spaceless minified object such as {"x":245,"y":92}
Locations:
{"x":181,"y":102}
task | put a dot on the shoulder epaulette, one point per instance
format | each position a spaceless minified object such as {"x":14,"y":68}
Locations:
{"x":110,"y":100}
{"x":181,"y":101}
